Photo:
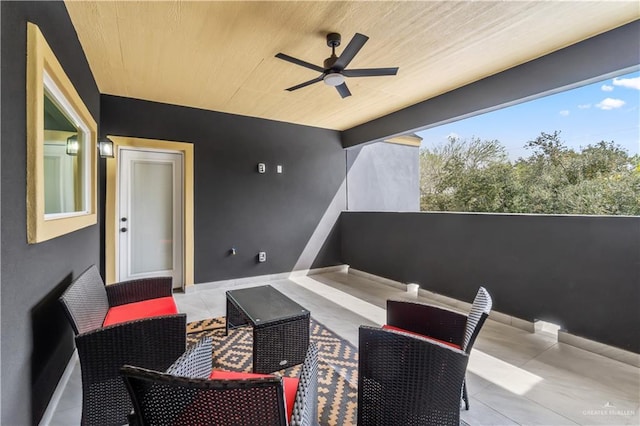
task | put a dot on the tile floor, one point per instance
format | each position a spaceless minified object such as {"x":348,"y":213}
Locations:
{"x":514,"y":377}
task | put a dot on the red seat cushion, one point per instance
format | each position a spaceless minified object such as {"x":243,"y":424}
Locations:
{"x":290,"y":384}
{"x":138,"y":310}
{"x":390,"y":327}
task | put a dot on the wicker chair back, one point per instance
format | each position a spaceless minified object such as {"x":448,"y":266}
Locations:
{"x":480,"y":310}
{"x":405,"y":379}
{"x":86,"y":302}
{"x":196,"y":362}
{"x":163,"y":399}
{"x":184,"y":395}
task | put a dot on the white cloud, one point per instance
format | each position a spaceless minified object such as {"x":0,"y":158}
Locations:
{"x":606,"y":88}
{"x":584,"y":106}
{"x":610,"y":103}
{"x":564,"y":112}
{"x":629,"y":83}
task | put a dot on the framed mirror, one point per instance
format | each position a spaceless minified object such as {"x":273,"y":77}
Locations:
{"x":61,"y":148}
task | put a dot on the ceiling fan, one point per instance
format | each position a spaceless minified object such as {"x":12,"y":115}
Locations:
{"x":334,"y":72}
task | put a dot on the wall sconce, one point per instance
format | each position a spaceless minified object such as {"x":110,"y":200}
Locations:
{"x":105,"y":147}
{"x":73,"y":146}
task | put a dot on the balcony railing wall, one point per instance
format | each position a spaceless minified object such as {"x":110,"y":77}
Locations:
{"x":581,"y":272}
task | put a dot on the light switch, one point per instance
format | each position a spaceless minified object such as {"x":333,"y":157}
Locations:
{"x":278,"y":168}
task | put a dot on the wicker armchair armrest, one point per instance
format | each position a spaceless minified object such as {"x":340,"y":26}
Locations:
{"x":138,"y":290}
{"x":428,"y":320}
{"x":305,"y":408}
{"x":152,"y":343}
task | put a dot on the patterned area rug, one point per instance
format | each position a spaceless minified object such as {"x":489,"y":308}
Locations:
{"x":337,"y":365}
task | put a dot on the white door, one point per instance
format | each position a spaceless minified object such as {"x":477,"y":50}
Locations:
{"x":150,"y":223}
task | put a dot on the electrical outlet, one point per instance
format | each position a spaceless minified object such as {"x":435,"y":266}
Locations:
{"x":262,"y":168}
{"x":262,"y":256}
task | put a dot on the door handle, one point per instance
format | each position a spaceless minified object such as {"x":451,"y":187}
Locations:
{"x":123,"y":229}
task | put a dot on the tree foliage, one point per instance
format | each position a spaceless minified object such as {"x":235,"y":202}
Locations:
{"x":476,"y":175}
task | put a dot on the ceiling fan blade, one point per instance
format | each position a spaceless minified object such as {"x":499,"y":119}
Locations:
{"x":370,"y":72}
{"x":299,"y":62}
{"x":306,"y":83}
{"x":350,"y":51}
{"x":343,"y":90}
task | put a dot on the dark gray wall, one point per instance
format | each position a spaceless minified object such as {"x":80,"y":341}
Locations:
{"x":593,"y":58}
{"x":581,"y":272}
{"x":235,"y":206}
{"x":36,"y":338}
{"x":383,"y":177}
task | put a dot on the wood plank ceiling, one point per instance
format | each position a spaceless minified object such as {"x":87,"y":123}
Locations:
{"x":220,"y":55}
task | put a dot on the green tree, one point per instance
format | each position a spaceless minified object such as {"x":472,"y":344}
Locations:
{"x":600,"y":179}
{"x":543,"y":174}
{"x":476,"y":175}
{"x":465,"y":175}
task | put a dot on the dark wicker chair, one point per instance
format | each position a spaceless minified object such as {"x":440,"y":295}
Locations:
{"x":442,"y":324}
{"x":185,"y":395}
{"x":151,"y":342}
{"x":408,"y":380}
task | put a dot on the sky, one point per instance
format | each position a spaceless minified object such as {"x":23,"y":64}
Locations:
{"x":607,"y":110}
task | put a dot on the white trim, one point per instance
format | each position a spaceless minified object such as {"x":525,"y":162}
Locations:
{"x":57,"y":394}
{"x":316,"y":271}
{"x":257,"y":279}
{"x":57,"y":97}
{"x":606,"y":351}
{"x":382,"y":280}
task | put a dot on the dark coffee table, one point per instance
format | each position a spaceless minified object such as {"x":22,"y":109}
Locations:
{"x":280,"y":326}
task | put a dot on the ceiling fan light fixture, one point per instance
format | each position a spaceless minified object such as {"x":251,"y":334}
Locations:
{"x":333,"y":79}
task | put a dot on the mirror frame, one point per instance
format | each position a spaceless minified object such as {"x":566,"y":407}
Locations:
{"x":40,"y":58}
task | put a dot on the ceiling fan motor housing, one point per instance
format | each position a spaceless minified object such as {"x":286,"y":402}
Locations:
{"x":333,"y":39}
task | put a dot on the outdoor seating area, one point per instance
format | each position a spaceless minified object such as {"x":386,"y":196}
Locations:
{"x":514,"y":377}
{"x":410,"y":371}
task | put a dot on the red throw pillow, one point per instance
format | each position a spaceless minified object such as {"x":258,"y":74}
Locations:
{"x":390,"y":327}
{"x":138,"y":310}
{"x":290,"y":384}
